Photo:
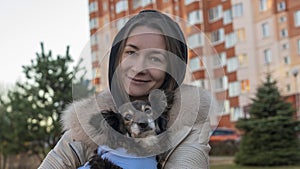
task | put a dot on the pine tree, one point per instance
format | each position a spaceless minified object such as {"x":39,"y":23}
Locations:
{"x":30,"y":116}
{"x":269,"y":135}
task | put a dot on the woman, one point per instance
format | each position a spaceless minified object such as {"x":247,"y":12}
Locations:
{"x":148,"y":53}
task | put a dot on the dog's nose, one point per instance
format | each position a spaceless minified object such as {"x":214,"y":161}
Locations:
{"x":143,"y":125}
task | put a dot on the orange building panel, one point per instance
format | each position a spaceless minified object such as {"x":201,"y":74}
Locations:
{"x":95,"y":64}
{"x":221,"y":95}
{"x":232,"y":77}
{"x":199,"y":74}
{"x":228,"y":28}
{"x":219,"y":72}
{"x":234,"y":101}
{"x":96,"y":81}
{"x":216,"y":25}
{"x":230,"y":53}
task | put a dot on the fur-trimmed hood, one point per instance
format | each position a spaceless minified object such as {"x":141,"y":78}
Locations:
{"x":191,"y":107}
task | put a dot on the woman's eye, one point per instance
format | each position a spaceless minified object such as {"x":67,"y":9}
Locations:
{"x":155,"y":59}
{"x":130,"y":53}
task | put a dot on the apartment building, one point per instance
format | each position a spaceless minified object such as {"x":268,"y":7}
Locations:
{"x":277,"y":35}
{"x":247,"y":38}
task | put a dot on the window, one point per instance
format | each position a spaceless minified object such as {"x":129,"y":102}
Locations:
{"x":199,"y":83}
{"x":195,"y":17}
{"x":215,"y":13}
{"x":265,"y":30}
{"x":106,"y":20}
{"x":287,"y":74}
{"x":121,"y":22}
{"x":297,"y":18}
{"x":263,"y":5}
{"x":243,"y":60}
{"x":241,"y":35}
{"x":230,"y":40}
{"x":195,"y":40}
{"x":94,"y":73}
{"x":94,"y":56}
{"x":217,"y":36}
{"x":112,"y":8}
{"x":234,"y":89}
{"x":146,"y":2}
{"x":298,"y":46}
{"x":226,"y":106}
{"x":107,"y":39}
{"x":287,"y":60}
{"x":195,"y":64}
{"x":104,"y":6}
{"x":136,"y":4}
{"x":187,"y":2}
{"x":238,"y":10}
{"x":245,"y":86}
{"x":232,"y":64}
{"x":227,"y":17}
{"x":121,"y":6}
{"x":285,"y":46}
{"x":236,"y":113}
{"x":288,"y":87}
{"x":282,"y":19}
{"x":267,"y":56}
{"x":141,"y":3}
{"x":281,"y":6}
{"x":284,"y":33}
{"x":93,"y":23}
{"x":93,"y":6}
{"x":221,"y":83}
{"x":94,"y":39}
{"x":220,"y":59}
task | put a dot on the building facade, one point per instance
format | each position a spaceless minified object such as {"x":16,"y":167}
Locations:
{"x":249,"y":39}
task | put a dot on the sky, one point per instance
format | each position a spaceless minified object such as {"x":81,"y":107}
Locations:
{"x":26,"y":23}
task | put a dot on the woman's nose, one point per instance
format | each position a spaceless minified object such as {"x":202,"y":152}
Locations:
{"x":139,"y":65}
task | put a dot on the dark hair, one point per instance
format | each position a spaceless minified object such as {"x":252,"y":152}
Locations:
{"x":175,"y":44}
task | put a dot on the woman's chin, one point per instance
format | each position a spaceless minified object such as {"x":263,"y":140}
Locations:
{"x":137,"y":93}
{"x":137,"y":90}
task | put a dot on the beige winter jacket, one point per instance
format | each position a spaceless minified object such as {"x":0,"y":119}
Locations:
{"x":189,"y":127}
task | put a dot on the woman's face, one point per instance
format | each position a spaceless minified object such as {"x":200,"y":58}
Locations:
{"x":143,"y":61}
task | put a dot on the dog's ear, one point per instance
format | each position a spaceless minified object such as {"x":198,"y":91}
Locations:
{"x":162,"y":122}
{"x":115,"y":120}
{"x":158,"y":101}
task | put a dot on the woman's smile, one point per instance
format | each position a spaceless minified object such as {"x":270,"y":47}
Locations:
{"x":139,"y":81}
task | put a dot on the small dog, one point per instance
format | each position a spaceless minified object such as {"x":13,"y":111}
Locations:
{"x":137,"y":119}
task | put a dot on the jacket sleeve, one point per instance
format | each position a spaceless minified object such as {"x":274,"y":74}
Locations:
{"x":192,"y":153}
{"x":66,"y":154}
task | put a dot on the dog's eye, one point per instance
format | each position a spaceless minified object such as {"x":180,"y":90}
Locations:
{"x":128,"y":117}
{"x":148,"y":110}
